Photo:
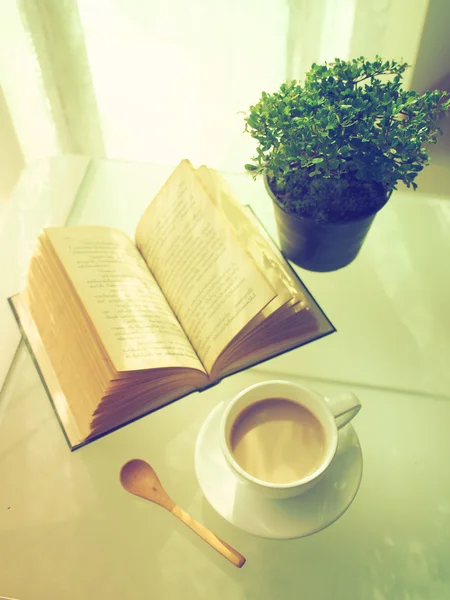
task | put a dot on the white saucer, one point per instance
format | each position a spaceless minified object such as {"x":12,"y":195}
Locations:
{"x":277,"y":519}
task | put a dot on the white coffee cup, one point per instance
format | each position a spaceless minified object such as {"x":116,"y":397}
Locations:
{"x":333,"y":413}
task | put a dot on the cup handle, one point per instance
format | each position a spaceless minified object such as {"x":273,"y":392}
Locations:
{"x":344,"y":407}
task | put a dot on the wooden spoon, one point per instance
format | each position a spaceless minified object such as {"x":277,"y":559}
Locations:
{"x":139,"y":478}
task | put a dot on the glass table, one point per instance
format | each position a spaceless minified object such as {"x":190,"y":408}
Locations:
{"x":67,"y":528}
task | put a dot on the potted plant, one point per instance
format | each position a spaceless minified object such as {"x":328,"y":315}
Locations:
{"x":333,"y":149}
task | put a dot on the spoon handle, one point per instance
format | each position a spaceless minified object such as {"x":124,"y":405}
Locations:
{"x":225,"y":549}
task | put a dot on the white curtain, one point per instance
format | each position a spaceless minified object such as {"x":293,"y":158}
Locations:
{"x":154,"y":80}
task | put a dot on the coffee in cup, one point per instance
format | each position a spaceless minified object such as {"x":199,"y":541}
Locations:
{"x":278,"y":440}
{"x":279,"y":437}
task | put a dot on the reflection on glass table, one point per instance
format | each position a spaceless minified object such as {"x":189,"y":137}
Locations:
{"x":69,"y":530}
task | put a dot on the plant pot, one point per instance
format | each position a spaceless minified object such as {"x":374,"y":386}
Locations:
{"x":319,"y":246}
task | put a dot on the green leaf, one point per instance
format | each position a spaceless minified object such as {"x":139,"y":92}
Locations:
{"x":333,"y":163}
{"x":332,"y":122}
{"x":316,"y":161}
{"x":250,"y":167}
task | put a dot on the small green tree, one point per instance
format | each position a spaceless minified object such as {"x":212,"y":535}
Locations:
{"x":335,"y":147}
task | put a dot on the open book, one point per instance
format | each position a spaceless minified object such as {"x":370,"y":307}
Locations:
{"x":119,"y":329}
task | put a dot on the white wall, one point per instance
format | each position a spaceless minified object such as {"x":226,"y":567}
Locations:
{"x":433,"y":62}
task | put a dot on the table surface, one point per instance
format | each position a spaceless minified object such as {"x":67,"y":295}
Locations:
{"x":68,"y":530}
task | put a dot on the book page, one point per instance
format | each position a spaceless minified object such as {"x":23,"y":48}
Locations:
{"x":211,"y":283}
{"x":130,"y":314}
{"x":249,"y":234}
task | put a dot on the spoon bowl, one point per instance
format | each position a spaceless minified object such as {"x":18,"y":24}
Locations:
{"x":139,"y":478}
